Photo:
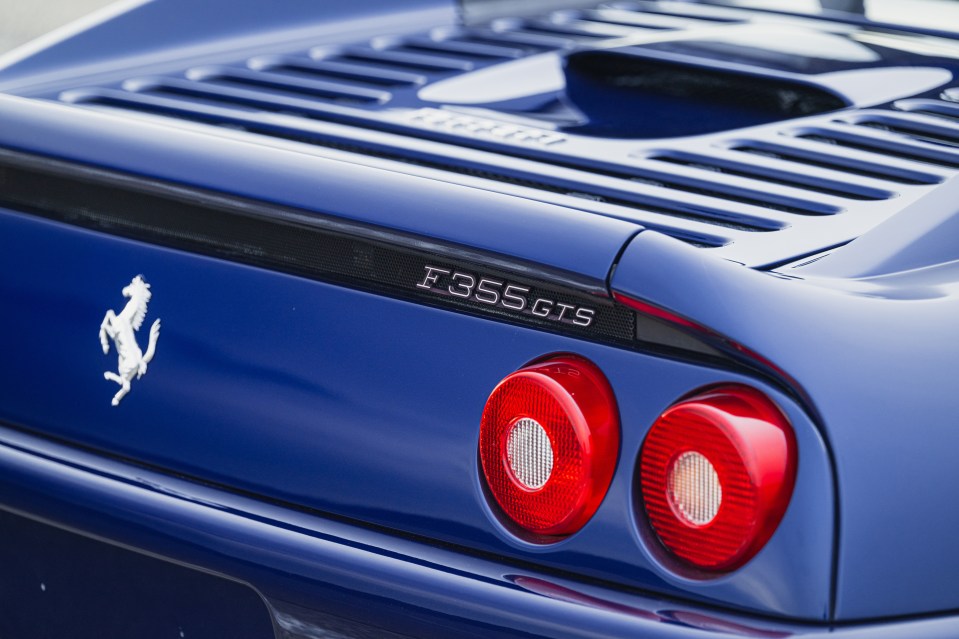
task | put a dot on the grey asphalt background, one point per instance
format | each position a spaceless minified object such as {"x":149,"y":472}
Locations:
{"x":24,"y":20}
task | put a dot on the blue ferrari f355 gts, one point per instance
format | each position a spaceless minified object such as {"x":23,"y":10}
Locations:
{"x":490,"y":319}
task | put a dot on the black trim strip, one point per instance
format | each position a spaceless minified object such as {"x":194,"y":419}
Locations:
{"x":331,"y":250}
{"x":296,"y":242}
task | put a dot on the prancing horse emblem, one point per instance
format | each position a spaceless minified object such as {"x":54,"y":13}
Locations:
{"x":120,"y":328}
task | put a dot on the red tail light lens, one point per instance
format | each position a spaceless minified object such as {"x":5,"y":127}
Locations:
{"x":717,"y":471}
{"x":549,"y":438}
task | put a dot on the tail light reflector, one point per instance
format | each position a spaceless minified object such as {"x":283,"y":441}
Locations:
{"x":717,"y":472}
{"x":549,"y":439}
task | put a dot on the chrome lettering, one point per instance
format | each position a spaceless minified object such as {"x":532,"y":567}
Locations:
{"x":517,"y":302}
{"x":460,"y":287}
{"x":431,"y":276}
{"x":486,"y":295}
{"x":585,"y":316}
{"x":563,"y":309}
{"x":538,"y":307}
{"x":494,"y":292}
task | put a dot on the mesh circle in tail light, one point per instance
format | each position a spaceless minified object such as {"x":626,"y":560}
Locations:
{"x":717,"y":472}
{"x":548,"y":444}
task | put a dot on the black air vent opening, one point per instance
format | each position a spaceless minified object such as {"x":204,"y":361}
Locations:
{"x":882,"y":146}
{"x":528,"y":45}
{"x":932,"y":108}
{"x":310,"y":89}
{"x":163,"y":103}
{"x":462,"y":50}
{"x":627,"y":95}
{"x":817,"y":184}
{"x":368,"y":98}
{"x":692,"y":12}
{"x":932,"y":134}
{"x":233,"y":98}
{"x":562,"y":29}
{"x":401,"y":62}
{"x":835,"y":162}
{"x":337,"y":72}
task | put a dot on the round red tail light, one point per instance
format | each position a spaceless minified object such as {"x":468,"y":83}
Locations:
{"x":548,"y":443}
{"x":717,"y":472}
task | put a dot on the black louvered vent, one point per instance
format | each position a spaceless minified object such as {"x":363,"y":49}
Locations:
{"x":725,"y":192}
{"x":918,"y":130}
{"x":313,"y":84}
{"x":878,"y":144}
{"x":920,"y":127}
{"x":922,"y":131}
{"x":617,"y":20}
{"x":339,"y":83}
{"x":805,"y":154}
{"x":947,"y":110}
{"x":729,"y":165}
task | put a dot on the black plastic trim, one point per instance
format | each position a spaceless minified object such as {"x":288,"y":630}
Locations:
{"x":328,"y":249}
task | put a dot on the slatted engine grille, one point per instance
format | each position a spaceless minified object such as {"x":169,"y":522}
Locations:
{"x":730,"y":191}
{"x":921,"y":131}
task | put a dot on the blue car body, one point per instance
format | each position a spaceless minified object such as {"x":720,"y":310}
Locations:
{"x":299,"y":457}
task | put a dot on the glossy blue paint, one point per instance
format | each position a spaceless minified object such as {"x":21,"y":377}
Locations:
{"x":259,"y":384}
{"x":572,"y":243}
{"x":348,"y":421}
{"x":150,"y":30}
{"x":922,"y":236}
{"x":319,"y":575}
{"x":67,"y":585}
{"x":759,"y":211}
{"x":879,"y":385}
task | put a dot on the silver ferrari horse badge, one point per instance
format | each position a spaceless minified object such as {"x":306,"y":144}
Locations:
{"x":121,"y":328}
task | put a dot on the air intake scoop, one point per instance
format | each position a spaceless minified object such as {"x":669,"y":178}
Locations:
{"x":704,"y":81}
{"x":630,"y":93}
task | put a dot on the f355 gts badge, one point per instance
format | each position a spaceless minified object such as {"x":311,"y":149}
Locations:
{"x":121,"y":328}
